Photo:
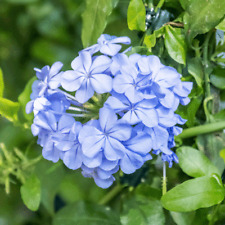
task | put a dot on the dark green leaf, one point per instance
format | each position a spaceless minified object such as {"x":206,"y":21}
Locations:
{"x":144,"y":211}
{"x":195,"y":68}
{"x":31,"y":193}
{"x":195,"y":163}
{"x":217,"y":78}
{"x":21,"y":1}
{"x":51,"y":176}
{"x":136,"y":15}
{"x":1,"y":84}
{"x":175,"y":44}
{"x":202,"y":15}
{"x":24,"y":98}
{"x":211,"y":145}
{"x":194,"y":194}
{"x":9,"y":109}
{"x":221,"y":26}
{"x":81,"y":213}
{"x":183,"y":218}
{"x":95,"y":20}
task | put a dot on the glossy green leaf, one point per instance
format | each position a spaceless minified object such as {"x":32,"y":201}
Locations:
{"x":202,"y":15}
{"x":1,"y":83}
{"x":185,"y":3}
{"x":193,"y":194}
{"x":31,"y":193}
{"x":51,"y":176}
{"x":221,"y":25}
{"x":175,"y":44}
{"x":136,"y":15}
{"x":143,"y":211}
{"x":95,"y":20}
{"x":143,"y":207}
{"x":222,"y":154}
{"x":212,"y":144}
{"x":183,"y":218}
{"x":24,"y":98}
{"x":195,"y":68}
{"x":217,"y":78}
{"x":9,"y":109}
{"x":195,"y":163}
{"x":81,"y":213}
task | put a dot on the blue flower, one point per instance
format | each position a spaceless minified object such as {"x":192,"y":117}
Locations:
{"x":88,"y":75}
{"x":136,"y":153}
{"x":108,"y":45}
{"x":143,"y":111}
{"x":104,"y":135}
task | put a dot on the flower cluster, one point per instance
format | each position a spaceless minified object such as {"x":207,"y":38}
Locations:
{"x":137,"y":118}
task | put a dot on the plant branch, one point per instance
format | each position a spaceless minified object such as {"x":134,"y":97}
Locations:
{"x":203,"y":129}
{"x":111,"y":194}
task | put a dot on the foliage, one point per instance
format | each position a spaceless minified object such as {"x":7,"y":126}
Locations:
{"x":187,"y":35}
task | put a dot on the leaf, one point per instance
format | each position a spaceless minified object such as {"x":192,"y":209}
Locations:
{"x":81,"y":213}
{"x":195,"y":68}
{"x":185,"y":3}
{"x":202,"y":15}
{"x":136,"y":15}
{"x":143,"y":207}
{"x":150,"y":41}
{"x":195,"y":163}
{"x":183,"y":218}
{"x":95,"y":20}
{"x":9,"y":109}
{"x":175,"y":44}
{"x":221,"y":26}
{"x":222,"y":154}
{"x":24,"y":98}
{"x":217,"y":78}
{"x":211,"y":145}
{"x":31,"y":193}
{"x":144,"y":212}
{"x":193,"y":194}
{"x":51,"y":176}
{"x":21,"y":1}
{"x":1,"y":84}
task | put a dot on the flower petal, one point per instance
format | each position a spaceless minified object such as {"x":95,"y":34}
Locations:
{"x":85,"y":92}
{"x":101,"y":83}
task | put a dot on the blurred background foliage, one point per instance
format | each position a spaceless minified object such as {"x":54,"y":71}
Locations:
{"x":34,"y":33}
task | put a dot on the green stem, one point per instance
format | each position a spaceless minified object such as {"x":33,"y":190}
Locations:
{"x":203,"y":129}
{"x":164,"y":181}
{"x":206,"y":72}
{"x":160,"y":4}
{"x":110,"y":195}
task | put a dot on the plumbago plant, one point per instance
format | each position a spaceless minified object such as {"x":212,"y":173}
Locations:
{"x":136,"y":112}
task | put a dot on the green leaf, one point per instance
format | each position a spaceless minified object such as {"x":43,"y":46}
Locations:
{"x":150,"y":41}
{"x":195,"y":68}
{"x":217,"y":78}
{"x":195,"y":163}
{"x":9,"y":109}
{"x":21,"y":1}
{"x":211,"y":145}
{"x":202,"y":15}
{"x":31,"y":193}
{"x":81,"y":213}
{"x":24,"y":98}
{"x":51,"y":176}
{"x":136,"y":15}
{"x":193,"y":194}
{"x":95,"y":20}
{"x":185,"y":3}
{"x":143,"y":207}
{"x":222,"y":154}
{"x":181,"y":218}
{"x":221,"y":26}
{"x":144,"y":212}
{"x":1,"y":84}
{"x":175,"y":44}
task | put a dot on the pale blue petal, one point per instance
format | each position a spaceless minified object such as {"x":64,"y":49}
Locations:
{"x":100,"y":64}
{"x":85,"y":92}
{"x":107,"y":119}
{"x":55,"y":68}
{"x":148,"y":117}
{"x":101,"y":83}
{"x":93,"y":162}
{"x":86,"y":60}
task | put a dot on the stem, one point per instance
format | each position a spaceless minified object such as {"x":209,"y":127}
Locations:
{"x":110,"y":195}
{"x":160,"y":4}
{"x":203,"y":129}
{"x":206,"y":73}
{"x":164,"y":181}
{"x":76,"y":109}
